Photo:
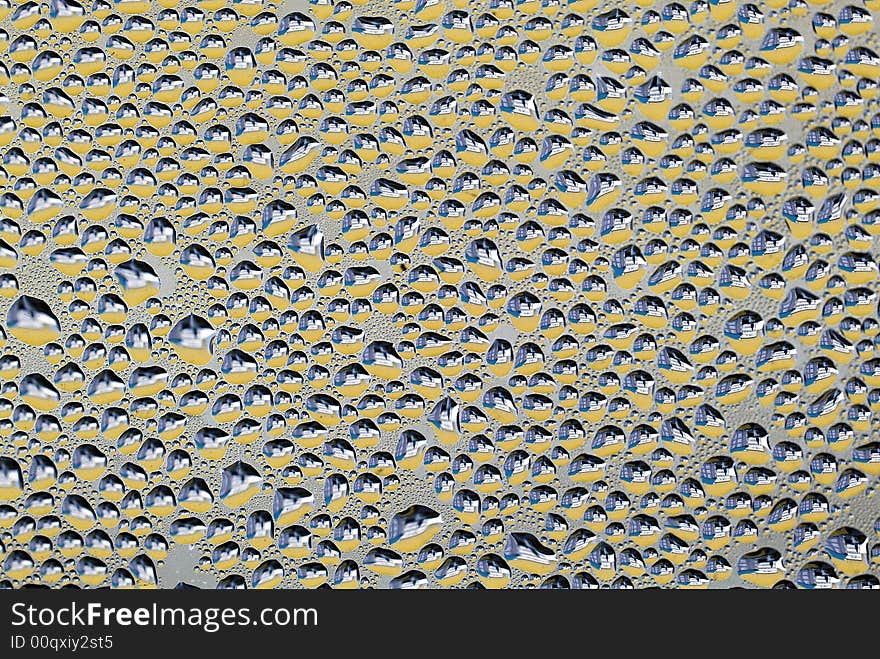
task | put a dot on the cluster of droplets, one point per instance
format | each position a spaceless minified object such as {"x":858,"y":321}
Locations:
{"x":508,"y":292}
